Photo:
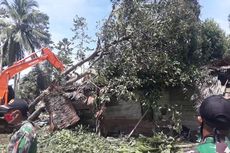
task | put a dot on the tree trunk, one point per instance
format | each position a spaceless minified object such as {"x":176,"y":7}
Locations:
{"x":35,"y":114}
{"x":16,"y":77}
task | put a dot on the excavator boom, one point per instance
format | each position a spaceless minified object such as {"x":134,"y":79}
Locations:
{"x":53,"y":59}
{"x":23,"y":64}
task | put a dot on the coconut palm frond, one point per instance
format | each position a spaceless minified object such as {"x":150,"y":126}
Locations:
{"x":40,"y":35}
{"x":9,"y":9}
{"x":6,"y":32}
{"x":9,"y":30}
{"x":2,"y":12}
{"x":18,"y":7}
{"x":12,"y":14}
{"x":36,"y":17}
{"x":5,"y":3}
{"x":23,"y":40}
{"x":27,"y":43}
{"x":5,"y":47}
{"x":31,"y":4}
{"x":4,"y":23}
{"x":25,"y":5}
{"x":36,"y":43}
{"x":26,"y":29}
{"x":17,"y":36}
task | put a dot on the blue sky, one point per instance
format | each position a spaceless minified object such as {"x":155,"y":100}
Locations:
{"x":218,"y":10}
{"x":62,"y":12}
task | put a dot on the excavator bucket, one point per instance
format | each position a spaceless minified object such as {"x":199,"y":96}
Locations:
{"x":53,"y":59}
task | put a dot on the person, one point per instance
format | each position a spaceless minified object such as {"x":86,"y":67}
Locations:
{"x":214,"y":121}
{"x":24,"y":140}
{"x":17,"y":109}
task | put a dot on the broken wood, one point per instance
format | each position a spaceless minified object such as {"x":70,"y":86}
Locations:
{"x":93,"y":55}
{"x":36,"y":113}
{"x":38,"y":99}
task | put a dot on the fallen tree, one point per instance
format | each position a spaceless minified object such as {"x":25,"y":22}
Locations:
{"x":57,"y":97}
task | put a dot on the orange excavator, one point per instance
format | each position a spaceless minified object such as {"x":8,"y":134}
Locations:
{"x":6,"y":109}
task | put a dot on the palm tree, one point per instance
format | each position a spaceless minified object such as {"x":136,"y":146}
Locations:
{"x":24,"y":28}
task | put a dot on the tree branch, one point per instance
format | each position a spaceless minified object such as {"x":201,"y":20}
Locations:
{"x":94,"y":54}
{"x":37,"y":100}
{"x":77,"y":78}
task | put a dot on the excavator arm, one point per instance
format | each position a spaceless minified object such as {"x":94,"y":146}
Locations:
{"x":23,"y":64}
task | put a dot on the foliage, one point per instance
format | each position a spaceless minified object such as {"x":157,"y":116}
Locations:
{"x":166,"y":47}
{"x":32,"y":84}
{"x":67,"y":141}
{"x":162,"y":51}
{"x":171,"y":114}
{"x":81,"y":38}
{"x":28,"y":87}
{"x":227,"y":53}
{"x":75,"y":48}
{"x":214,"y":41}
{"x":159,"y":143}
{"x":65,"y":51}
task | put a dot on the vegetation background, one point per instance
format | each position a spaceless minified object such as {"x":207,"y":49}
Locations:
{"x":146,"y":46}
